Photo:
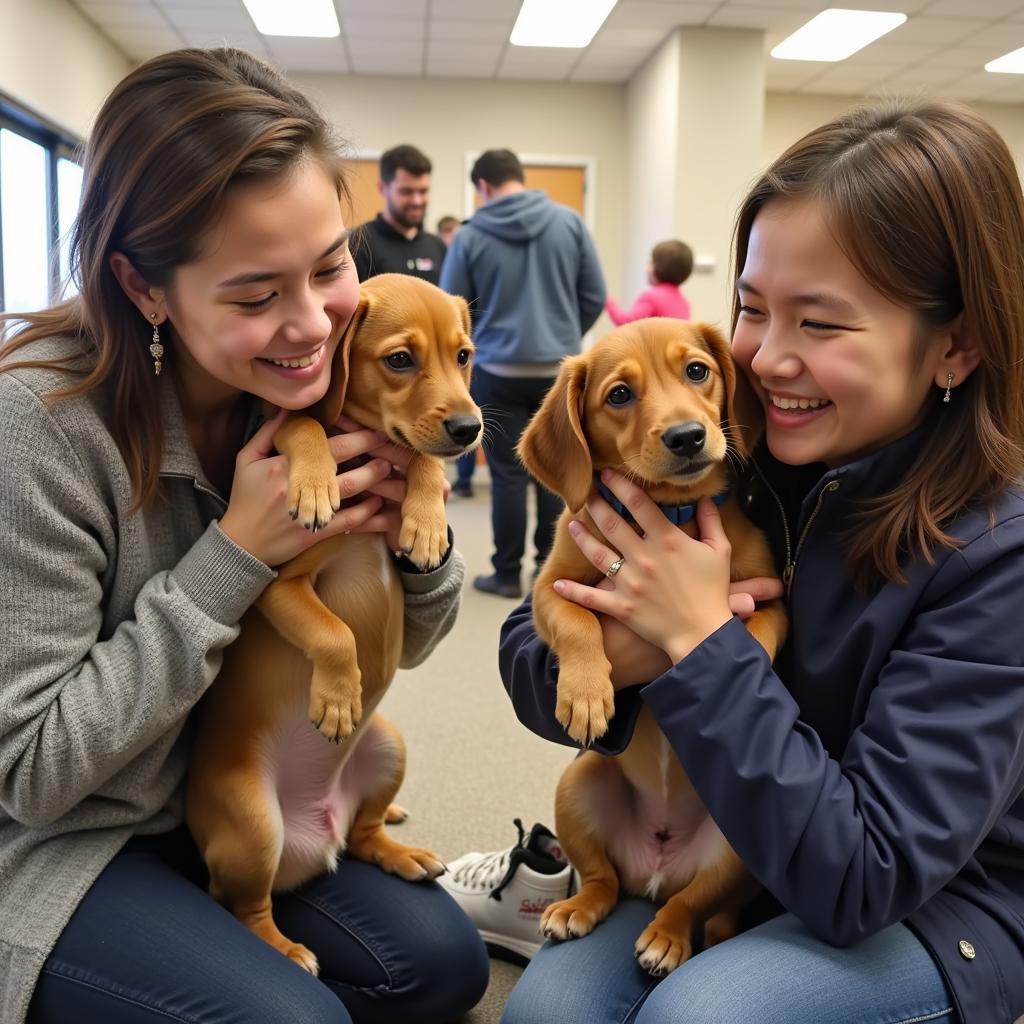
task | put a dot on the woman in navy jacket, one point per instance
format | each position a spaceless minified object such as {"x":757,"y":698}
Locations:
{"x":872,"y":779}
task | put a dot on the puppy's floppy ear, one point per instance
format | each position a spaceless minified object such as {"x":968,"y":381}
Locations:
{"x":553,"y":447}
{"x":744,"y":418}
{"x":328,"y":409}
{"x":463,"y":308}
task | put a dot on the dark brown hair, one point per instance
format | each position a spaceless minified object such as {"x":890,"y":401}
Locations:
{"x":925,"y":201}
{"x":406,"y":158}
{"x":496,"y":167}
{"x":672,"y":262}
{"x":169,"y":142}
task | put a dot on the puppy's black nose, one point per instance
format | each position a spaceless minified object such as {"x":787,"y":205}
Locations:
{"x":462,"y":429}
{"x":684,"y":438}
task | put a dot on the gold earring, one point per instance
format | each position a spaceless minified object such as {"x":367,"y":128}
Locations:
{"x":949,"y":385}
{"x":156,"y":350}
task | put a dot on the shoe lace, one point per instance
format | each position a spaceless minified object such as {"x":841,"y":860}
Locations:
{"x":494,"y":869}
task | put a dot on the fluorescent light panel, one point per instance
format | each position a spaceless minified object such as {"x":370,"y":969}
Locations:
{"x":313,"y":18}
{"x":567,"y":23}
{"x":836,"y":33}
{"x":1009,"y":64}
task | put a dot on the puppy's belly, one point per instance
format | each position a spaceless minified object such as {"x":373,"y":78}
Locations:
{"x":318,"y":792}
{"x":657,"y":845}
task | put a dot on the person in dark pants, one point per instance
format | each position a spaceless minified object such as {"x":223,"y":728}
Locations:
{"x":530,"y":272}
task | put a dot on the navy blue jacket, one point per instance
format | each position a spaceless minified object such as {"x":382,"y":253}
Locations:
{"x":530,"y":273}
{"x":876,"y":774}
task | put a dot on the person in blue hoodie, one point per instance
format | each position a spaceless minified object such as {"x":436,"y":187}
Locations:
{"x":872,"y":779}
{"x":530,"y":272}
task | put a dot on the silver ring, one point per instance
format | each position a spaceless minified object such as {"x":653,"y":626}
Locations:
{"x":614,"y":567}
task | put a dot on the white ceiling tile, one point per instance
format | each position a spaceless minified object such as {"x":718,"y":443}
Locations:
{"x":645,"y":39}
{"x":308,"y":54}
{"x":548,"y":56}
{"x":471,"y":31}
{"x":446,"y":69}
{"x":459,"y":53}
{"x":398,"y":50}
{"x":137,"y":15}
{"x":396,"y":28}
{"x":921,"y":77}
{"x":975,"y":86}
{"x":778,"y":19}
{"x":381,"y":8}
{"x":214,"y":19}
{"x":974,"y":9}
{"x":224,"y":5}
{"x":477,"y":10}
{"x":666,"y":16}
{"x":963,"y":58}
{"x":889,"y":50}
{"x":611,"y":75}
{"x":363,"y":64}
{"x":923,"y":29}
{"x":1000,"y":38}
{"x":786,"y":75}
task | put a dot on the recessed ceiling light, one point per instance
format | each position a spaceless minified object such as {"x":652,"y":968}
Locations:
{"x":568,"y":23}
{"x":1009,"y":64}
{"x":295,"y":18}
{"x":836,"y":33}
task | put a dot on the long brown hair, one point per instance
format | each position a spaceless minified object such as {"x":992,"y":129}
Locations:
{"x":167,"y":145}
{"x":925,"y":201}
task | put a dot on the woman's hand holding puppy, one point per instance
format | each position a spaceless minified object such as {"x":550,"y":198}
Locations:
{"x":671,"y":590}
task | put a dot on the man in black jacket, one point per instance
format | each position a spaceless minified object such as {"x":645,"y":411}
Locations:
{"x":395,"y":242}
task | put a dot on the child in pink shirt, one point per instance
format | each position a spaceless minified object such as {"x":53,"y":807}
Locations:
{"x":670,"y":266}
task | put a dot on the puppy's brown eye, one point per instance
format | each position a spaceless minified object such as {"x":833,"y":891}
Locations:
{"x":697,"y":372}
{"x":399,"y":360}
{"x":619,"y":395}
{"x":463,"y":357}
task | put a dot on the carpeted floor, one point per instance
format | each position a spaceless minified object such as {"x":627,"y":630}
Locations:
{"x":472,"y":766}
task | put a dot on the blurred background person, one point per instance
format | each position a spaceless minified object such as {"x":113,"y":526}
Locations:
{"x":394,"y":242}
{"x":530,"y":272}
{"x":446,"y":228}
{"x":670,"y":265}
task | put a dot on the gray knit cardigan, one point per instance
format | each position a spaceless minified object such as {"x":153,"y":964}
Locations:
{"x":111,"y":628}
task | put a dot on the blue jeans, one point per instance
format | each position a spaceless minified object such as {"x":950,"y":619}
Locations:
{"x":508,"y":404}
{"x":775,"y":972}
{"x":148,"y":946}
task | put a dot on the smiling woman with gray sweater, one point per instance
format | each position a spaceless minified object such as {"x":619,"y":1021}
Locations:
{"x":135,"y":539}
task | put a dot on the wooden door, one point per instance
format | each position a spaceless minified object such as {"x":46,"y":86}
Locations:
{"x":361,"y":178}
{"x":566,"y":185}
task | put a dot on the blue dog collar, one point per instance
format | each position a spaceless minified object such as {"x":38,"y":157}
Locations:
{"x":678,"y":514}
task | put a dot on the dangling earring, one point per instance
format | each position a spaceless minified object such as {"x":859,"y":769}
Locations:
{"x":945,"y":397}
{"x":156,"y":350}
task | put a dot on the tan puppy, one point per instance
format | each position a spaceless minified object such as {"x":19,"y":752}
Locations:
{"x":271,"y":802}
{"x":654,"y":400}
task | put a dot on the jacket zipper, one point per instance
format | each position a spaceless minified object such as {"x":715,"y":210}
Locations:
{"x":787,"y":574}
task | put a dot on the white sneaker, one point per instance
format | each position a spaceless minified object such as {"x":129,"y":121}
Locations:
{"x":504,"y":893}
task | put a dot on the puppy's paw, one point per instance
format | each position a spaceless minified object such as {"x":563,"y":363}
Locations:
{"x":303,"y":956}
{"x":424,"y":538}
{"x":313,"y":494}
{"x":412,"y":863}
{"x":585,"y":704}
{"x":335,"y":704}
{"x":660,"y":950}
{"x":570,"y":919}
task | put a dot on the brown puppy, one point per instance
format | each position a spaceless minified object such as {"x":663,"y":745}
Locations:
{"x":271,"y":802}
{"x":654,"y":400}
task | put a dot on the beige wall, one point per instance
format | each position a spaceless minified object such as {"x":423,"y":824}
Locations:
{"x":652,"y":163}
{"x":447,"y":118}
{"x":788,"y":116}
{"x":56,"y":62}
